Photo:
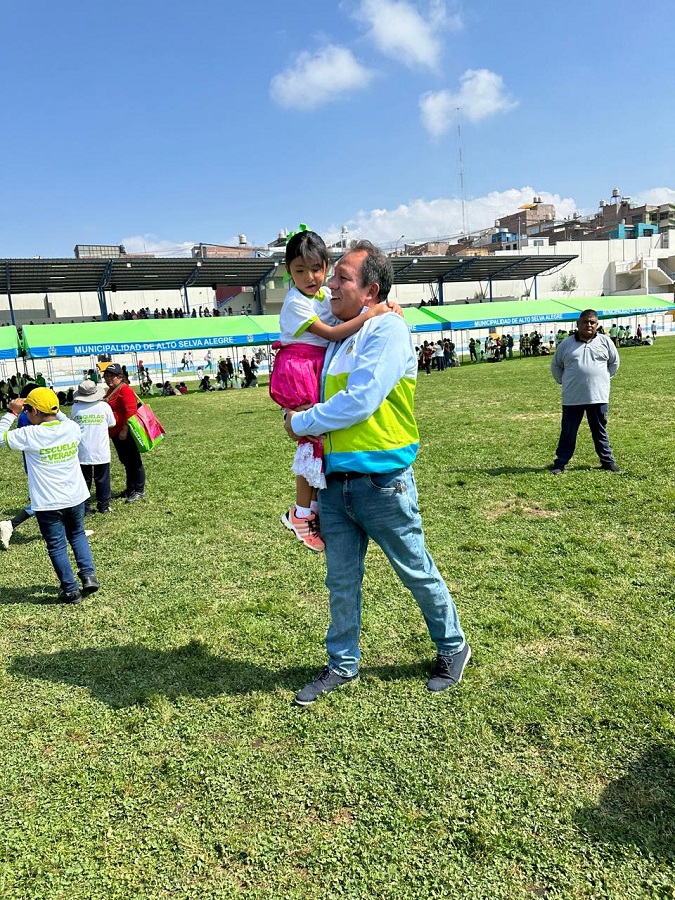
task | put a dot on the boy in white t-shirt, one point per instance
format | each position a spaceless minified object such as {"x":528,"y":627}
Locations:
{"x":56,"y":486}
{"x":94,"y":416}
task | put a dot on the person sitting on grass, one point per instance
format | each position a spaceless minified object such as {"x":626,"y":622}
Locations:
{"x":147,"y":389}
{"x":56,"y":486}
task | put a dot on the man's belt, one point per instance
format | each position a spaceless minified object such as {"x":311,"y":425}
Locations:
{"x":346,"y":476}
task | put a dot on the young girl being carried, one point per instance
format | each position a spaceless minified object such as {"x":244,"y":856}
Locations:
{"x":307,"y":325}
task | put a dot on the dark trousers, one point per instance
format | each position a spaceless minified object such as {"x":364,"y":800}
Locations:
{"x":130,"y":458}
{"x":596,"y":413}
{"x":99,"y":473}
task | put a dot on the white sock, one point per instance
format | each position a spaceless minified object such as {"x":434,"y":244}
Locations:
{"x":302,"y":512}
{"x":314,"y":506}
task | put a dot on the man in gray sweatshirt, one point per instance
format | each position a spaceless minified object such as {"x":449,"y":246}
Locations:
{"x":583,"y":364}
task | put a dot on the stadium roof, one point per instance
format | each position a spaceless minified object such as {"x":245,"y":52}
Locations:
{"x":35,"y":276}
{"x":125,"y":273}
{"x":427,"y":269}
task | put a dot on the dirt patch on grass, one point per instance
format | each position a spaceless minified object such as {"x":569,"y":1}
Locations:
{"x":532,"y":417}
{"x":522,"y":508}
{"x":556,"y":645}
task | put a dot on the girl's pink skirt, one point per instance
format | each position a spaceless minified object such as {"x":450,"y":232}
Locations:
{"x":295,"y":381}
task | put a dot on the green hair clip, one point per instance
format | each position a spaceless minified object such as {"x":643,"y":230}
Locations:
{"x":301,"y":227}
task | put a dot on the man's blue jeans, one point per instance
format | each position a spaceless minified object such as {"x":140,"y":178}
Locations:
{"x":384,"y":508}
{"x":572,"y":416}
{"x":59,"y":528}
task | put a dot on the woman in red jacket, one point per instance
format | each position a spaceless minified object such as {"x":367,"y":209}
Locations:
{"x":124,"y":403}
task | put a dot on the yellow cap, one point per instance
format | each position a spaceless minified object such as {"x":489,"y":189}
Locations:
{"x":44,"y":399}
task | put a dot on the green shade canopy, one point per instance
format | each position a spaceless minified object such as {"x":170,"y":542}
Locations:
{"x":141,"y":336}
{"x":630,"y":305}
{"x":9,"y":342}
{"x":269,"y":324}
{"x":420,"y":320}
{"x":505,"y":313}
{"x":509,"y":313}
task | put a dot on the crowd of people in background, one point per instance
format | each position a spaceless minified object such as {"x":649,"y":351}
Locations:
{"x":128,"y":315}
{"x":440,"y":356}
{"x":201,"y":312}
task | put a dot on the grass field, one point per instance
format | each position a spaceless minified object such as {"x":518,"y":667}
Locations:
{"x":149,"y":746}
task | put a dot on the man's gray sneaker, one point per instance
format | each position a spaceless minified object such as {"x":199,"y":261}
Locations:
{"x":325,"y":682}
{"x":448,"y":670}
{"x":557,"y":470}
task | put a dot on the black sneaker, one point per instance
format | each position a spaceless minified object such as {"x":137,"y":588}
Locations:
{"x":136,"y":495}
{"x":70,"y":596}
{"x":557,"y":470}
{"x":448,"y":670}
{"x":89,"y":584}
{"x":325,"y":682}
{"x":610,"y":466}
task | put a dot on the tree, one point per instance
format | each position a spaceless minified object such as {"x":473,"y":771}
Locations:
{"x":568,"y":283}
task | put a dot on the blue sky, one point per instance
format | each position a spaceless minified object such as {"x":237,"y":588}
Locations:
{"x":162,"y":126}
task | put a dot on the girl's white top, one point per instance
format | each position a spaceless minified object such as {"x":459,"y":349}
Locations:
{"x":299,"y":312}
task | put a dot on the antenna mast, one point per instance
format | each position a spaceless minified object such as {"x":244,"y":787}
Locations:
{"x":461,"y":171}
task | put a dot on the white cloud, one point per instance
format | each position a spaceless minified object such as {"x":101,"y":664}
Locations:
{"x":150,"y":243}
{"x":654,"y":196}
{"x":481,"y":94}
{"x":422,"y":220}
{"x":398,"y":30}
{"x":319,"y":78}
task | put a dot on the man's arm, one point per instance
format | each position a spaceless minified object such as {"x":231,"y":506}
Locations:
{"x":613,"y":361}
{"x":382,"y":359}
{"x":557,"y":364}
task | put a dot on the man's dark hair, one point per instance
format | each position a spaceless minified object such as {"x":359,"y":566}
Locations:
{"x":308,"y":246}
{"x":588,"y":314}
{"x":376,"y":269}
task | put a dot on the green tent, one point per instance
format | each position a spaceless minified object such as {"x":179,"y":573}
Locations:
{"x":509,"y":313}
{"x":9,"y":342}
{"x":630,"y":305}
{"x":501,"y":313}
{"x":418,"y":320}
{"x":269,"y":324}
{"x":141,"y":336}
